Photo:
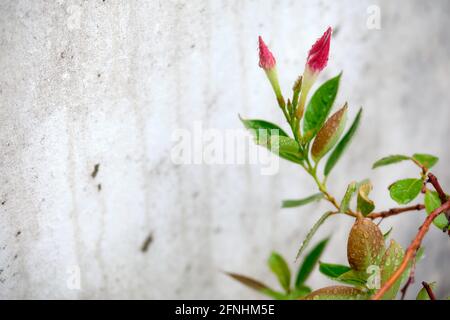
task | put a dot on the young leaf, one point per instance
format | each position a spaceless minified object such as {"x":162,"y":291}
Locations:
{"x":406,"y":190}
{"x":283,"y":144}
{"x":342,"y":145}
{"x":262,"y":124}
{"x":333,"y":270}
{"x":343,"y":274}
{"x":280,"y":268}
{"x":364,"y":204}
{"x":427,"y":160}
{"x":256,"y":285}
{"x":329,"y":134}
{"x":310,"y":262}
{"x":392,"y":259}
{"x":345,"y":203}
{"x":302,"y":202}
{"x":423,"y":294}
{"x":296,"y":158}
{"x":284,"y":147}
{"x":274,"y":138}
{"x":390,"y":160}
{"x":337,"y":293}
{"x":432,"y":202}
{"x":353,"y":277}
{"x":319,"y":107}
{"x":312,"y":231}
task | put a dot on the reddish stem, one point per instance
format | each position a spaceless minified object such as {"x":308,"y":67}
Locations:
{"x":411,"y":251}
{"x":434,"y":181}
{"x":395,"y":211}
{"x":429,"y":290}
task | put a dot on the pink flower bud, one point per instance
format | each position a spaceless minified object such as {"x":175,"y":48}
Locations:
{"x":266,"y":59}
{"x":316,"y":62}
{"x":318,"y":55}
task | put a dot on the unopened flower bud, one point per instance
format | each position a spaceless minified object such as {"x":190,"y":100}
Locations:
{"x":268,"y":63}
{"x":318,"y":55}
{"x":316,"y":62}
{"x":266,"y":59}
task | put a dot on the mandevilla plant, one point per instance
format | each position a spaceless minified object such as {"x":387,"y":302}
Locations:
{"x":375,"y":270}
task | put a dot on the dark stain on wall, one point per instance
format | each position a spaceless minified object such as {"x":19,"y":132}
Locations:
{"x":147,"y":242}
{"x":95,"y":171}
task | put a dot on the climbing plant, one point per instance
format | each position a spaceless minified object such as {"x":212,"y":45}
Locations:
{"x":377,"y":268}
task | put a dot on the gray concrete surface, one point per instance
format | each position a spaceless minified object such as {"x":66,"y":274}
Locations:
{"x":107,"y":82}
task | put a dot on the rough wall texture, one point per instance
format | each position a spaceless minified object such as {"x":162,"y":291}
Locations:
{"x":106,"y":82}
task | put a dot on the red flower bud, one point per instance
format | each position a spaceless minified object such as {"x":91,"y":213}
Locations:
{"x":266,"y":59}
{"x":318,"y":55}
{"x":316,"y":62}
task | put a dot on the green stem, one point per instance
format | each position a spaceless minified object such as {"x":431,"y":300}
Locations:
{"x":309,"y":168}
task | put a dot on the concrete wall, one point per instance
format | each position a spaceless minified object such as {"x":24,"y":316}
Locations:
{"x":108,"y":82}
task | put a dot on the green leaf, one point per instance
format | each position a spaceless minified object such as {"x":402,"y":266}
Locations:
{"x":312,"y":231}
{"x":353,"y":277}
{"x":406,"y":190}
{"x":427,"y":160}
{"x":342,"y":145}
{"x":310,"y":262}
{"x":386,"y":235}
{"x":262,"y":124}
{"x":333,"y":270}
{"x":420,"y":254}
{"x":285,"y":147}
{"x":390,"y":262}
{"x":275,"y":294}
{"x":343,"y":274}
{"x":364,"y":204}
{"x":280,"y":268}
{"x":256,"y":285}
{"x":345,"y":203}
{"x":329,"y":134}
{"x":299,"y":292}
{"x":296,"y":158}
{"x":274,"y":138}
{"x":423,"y":294}
{"x":283,"y":144}
{"x":432,"y":202}
{"x":390,"y":160}
{"x":319,"y":107}
{"x":302,"y":202}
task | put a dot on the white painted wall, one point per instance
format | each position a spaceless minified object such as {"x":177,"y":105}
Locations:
{"x":107,"y":82}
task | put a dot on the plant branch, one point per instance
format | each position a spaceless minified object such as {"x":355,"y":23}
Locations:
{"x":411,"y":251}
{"x":395,"y":211}
{"x":410,"y":278}
{"x":429,"y":290}
{"x":434,"y":181}
{"x":312,"y":170}
{"x":442,"y":196}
